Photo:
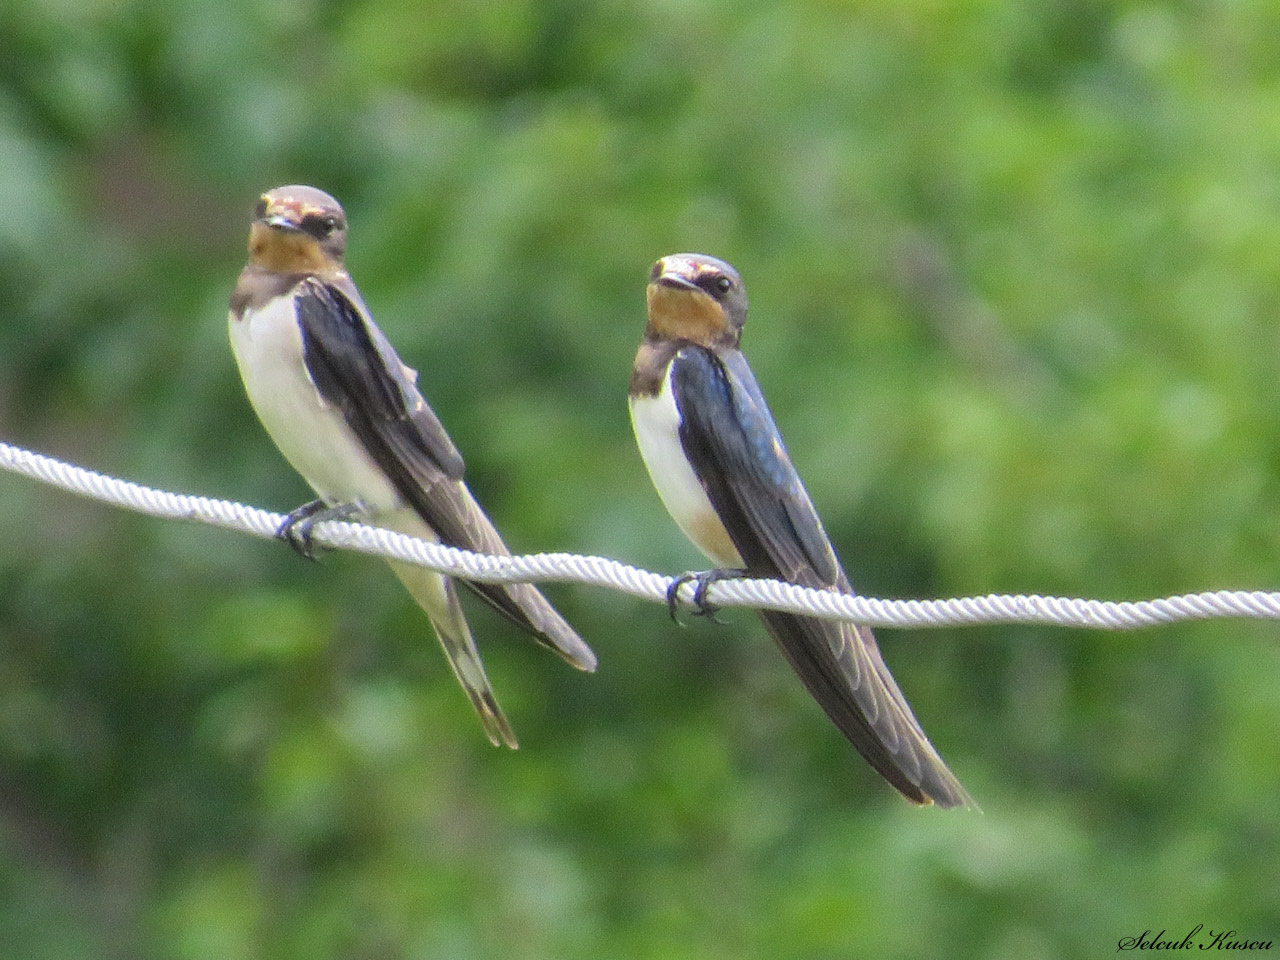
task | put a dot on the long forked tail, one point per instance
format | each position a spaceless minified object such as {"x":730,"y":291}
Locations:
{"x":841,"y":666}
{"x":438,"y":597}
{"x":465,"y":525}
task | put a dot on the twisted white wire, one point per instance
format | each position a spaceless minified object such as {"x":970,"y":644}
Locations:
{"x":602,"y":572}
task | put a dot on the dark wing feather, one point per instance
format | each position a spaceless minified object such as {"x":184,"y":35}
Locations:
{"x":358,"y":372}
{"x":727,"y":427}
{"x":734,"y":446}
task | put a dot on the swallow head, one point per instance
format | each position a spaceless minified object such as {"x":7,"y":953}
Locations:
{"x":696,"y":298}
{"x":298,"y":229}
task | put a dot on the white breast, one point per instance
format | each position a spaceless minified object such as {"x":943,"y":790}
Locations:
{"x":312,"y":435}
{"x":656,"y":421}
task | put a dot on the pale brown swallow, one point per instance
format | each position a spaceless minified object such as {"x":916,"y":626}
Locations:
{"x":348,"y":415}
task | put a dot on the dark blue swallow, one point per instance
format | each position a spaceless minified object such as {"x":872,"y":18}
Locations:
{"x":720,"y":467}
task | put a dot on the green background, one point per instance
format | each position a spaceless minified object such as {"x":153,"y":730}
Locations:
{"x":1014,"y":271}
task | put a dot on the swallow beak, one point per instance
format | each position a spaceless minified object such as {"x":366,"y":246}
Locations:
{"x":676,"y":282}
{"x":280,"y":222}
{"x":678,"y":308}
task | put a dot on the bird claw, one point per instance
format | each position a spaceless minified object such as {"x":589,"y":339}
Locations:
{"x":297,"y":526}
{"x":703,"y":579}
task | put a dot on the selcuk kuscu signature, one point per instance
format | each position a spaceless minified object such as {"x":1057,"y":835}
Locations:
{"x":1197,"y":939}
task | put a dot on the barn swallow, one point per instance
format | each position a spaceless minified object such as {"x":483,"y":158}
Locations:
{"x":718,"y":462}
{"x":347,"y":414}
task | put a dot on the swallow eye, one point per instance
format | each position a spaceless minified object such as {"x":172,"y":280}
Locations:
{"x":260,"y":211}
{"x":716,"y":284}
{"x":320,"y":226}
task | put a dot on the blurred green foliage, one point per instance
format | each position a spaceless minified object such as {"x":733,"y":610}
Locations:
{"x":1015,"y":272}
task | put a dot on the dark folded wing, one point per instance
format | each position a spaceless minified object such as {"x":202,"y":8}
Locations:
{"x":731,"y":440}
{"x":358,"y":372}
{"x":730,"y":437}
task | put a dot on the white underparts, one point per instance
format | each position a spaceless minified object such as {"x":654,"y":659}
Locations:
{"x":656,"y":421}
